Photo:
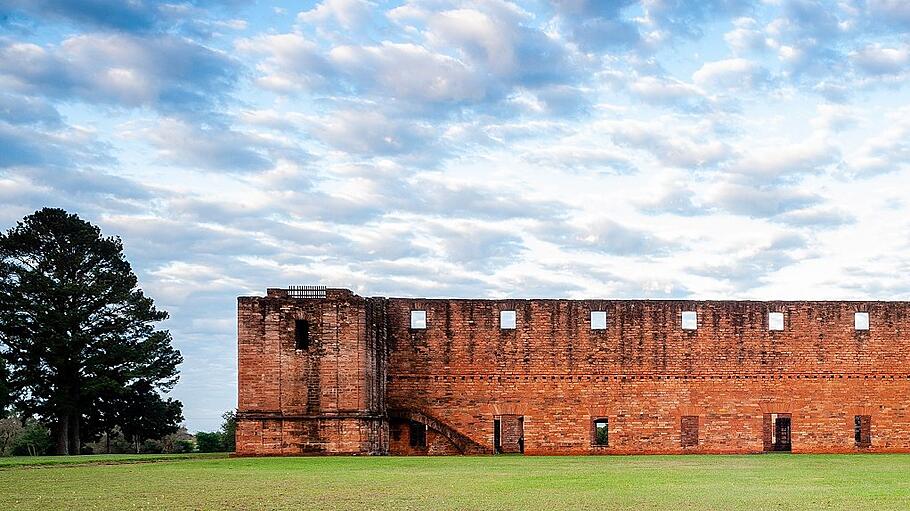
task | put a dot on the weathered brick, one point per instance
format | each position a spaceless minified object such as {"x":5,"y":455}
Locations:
{"x":546,"y":381}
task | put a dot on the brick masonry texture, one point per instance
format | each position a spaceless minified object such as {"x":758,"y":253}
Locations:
{"x":367,"y":378}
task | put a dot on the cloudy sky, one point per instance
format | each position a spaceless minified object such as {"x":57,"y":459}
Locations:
{"x":567,"y":148}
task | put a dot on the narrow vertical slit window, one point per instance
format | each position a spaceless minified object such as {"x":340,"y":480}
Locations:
{"x":776,"y":321}
{"x":601,"y":432}
{"x":598,"y":320}
{"x":689,"y":320}
{"x":862,"y":430}
{"x":418,"y":320}
{"x":507,"y":320}
{"x":302,"y":334}
{"x":861,"y":321}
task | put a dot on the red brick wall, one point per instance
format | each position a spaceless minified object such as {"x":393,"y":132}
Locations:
{"x":326,"y":399}
{"x":643,"y":373}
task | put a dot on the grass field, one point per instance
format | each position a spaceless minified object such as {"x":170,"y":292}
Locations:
{"x":522,"y":483}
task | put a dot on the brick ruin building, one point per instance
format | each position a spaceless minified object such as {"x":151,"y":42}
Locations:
{"x":324,"y":371}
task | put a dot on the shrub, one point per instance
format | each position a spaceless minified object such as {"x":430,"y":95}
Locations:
{"x":209,"y":442}
{"x":35,"y":440}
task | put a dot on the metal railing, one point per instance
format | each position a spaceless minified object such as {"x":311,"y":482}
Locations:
{"x":306,"y":291}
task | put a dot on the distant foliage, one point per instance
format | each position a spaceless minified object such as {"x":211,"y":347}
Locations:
{"x":210,"y":442}
{"x":33,"y":440}
{"x":10,"y":430}
{"x":602,"y":436}
{"x":219,"y":441}
{"x":178,"y":442}
{"x":229,"y":430}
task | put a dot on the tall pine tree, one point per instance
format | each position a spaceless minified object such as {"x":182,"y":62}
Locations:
{"x":74,"y":326}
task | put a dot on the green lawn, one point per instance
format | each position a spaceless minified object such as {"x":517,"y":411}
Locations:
{"x":25,"y":461}
{"x":522,"y":483}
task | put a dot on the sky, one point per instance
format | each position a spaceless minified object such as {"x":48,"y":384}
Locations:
{"x":708,"y":149}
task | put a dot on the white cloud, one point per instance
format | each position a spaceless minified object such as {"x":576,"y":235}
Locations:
{"x":766,"y":163}
{"x":731,"y":74}
{"x":292,"y":62}
{"x":430,"y":77}
{"x":878,"y":60}
{"x":165,"y":72}
{"x":747,"y":37}
{"x":350,"y":14}
{"x":371,"y":132}
{"x":677,"y":146}
{"x":657,"y":90}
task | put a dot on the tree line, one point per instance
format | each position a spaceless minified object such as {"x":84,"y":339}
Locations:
{"x":80,"y":352}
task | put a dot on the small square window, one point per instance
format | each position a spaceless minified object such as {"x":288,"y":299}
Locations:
{"x":598,"y":320}
{"x":418,"y":320}
{"x":507,"y":320}
{"x":861,"y":321}
{"x":775,"y":321}
{"x":689,"y":320}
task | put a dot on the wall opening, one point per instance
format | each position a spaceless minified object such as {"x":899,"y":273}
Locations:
{"x":861,"y":321}
{"x":601,"y":437}
{"x":598,"y":320}
{"x":862,"y":430}
{"x":418,"y":435}
{"x":777,"y":431}
{"x":508,"y":434}
{"x":776,"y":321}
{"x":688,"y":431}
{"x":302,"y":334}
{"x":507,"y":320}
{"x":689,"y":320}
{"x":418,"y":320}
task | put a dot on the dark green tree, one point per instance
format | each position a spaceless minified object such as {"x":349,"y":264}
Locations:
{"x":74,"y":324}
{"x":229,"y":430}
{"x":209,"y":442}
{"x":144,"y":415}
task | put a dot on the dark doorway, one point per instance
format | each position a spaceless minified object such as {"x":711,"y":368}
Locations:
{"x":508,"y":434}
{"x":418,"y":435}
{"x":782,"y":433}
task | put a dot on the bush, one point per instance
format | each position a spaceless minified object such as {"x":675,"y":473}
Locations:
{"x":210,"y":442}
{"x":219,"y":441}
{"x":117,"y":445}
{"x":10,"y":430}
{"x":35,"y":440}
{"x":182,"y":447}
{"x":179,"y":442}
{"x":152,"y":447}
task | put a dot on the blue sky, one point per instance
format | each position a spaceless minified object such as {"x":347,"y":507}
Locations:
{"x":617,"y":149}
